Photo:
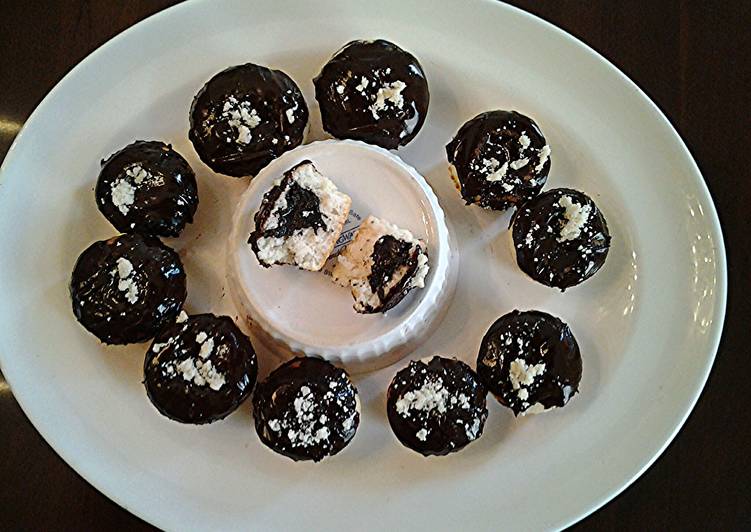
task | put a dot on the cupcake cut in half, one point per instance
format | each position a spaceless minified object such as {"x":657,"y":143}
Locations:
{"x":299,"y":220}
{"x":381,"y":265}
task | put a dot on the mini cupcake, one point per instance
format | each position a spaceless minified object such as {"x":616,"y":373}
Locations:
{"x":299,"y":220}
{"x":125,"y":289}
{"x":530,"y":362}
{"x":560,"y":238}
{"x":499,"y":159}
{"x":148,"y":188}
{"x":246,"y":116}
{"x":307,"y":409}
{"x":199,"y":369}
{"x":373,"y":91}
{"x":436,"y":406}
{"x":381,"y":265}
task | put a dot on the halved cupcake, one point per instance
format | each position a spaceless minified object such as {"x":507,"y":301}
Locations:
{"x":381,"y":265}
{"x":300,"y":219}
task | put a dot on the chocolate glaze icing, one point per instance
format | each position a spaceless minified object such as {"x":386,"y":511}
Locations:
{"x":486,"y":144}
{"x":347,"y":104}
{"x":279,"y":106}
{"x":539,"y":253}
{"x":307,"y":409}
{"x":450,"y":410}
{"x":303,"y":210}
{"x":164,"y":200}
{"x":185,"y":392}
{"x":528,"y":339}
{"x":104,"y":300}
{"x":389,"y":255}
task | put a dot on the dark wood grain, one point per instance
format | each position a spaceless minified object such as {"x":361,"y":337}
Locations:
{"x":692,"y":58}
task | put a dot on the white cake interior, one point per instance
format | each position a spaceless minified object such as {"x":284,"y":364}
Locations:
{"x":355,"y":263}
{"x":306,"y":248}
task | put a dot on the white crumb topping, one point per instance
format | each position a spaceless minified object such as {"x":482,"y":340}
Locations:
{"x":522,"y":374}
{"x":524,"y":140}
{"x":242,"y":117}
{"x":141,"y":175}
{"x":126,"y":281}
{"x":307,"y":248}
{"x":463,"y":401}
{"x":544,"y":154}
{"x":520,"y":163}
{"x":576,"y":217}
{"x":495,"y":170}
{"x":523,"y":394}
{"x":201,"y":373}
{"x":201,"y":337}
{"x":430,"y":396}
{"x":362,"y":85}
{"x":389,"y":92}
{"x":304,"y":433}
{"x":207,"y":348}
{"x":354,"y":265}
{"x":340,"y":89}
{"x":123,"y":195}
{"x":123,"y":190}
{"x":274,"y":425}
{"x":124,"y":267}
{"x":291,"y":114}
{"x":138,"y":173}
{"x":182,"y":317}
{"x":422,"y":434}
{"x":157,"y":347}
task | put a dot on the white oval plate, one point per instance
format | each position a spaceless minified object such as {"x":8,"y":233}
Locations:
{"x":648,"y":324}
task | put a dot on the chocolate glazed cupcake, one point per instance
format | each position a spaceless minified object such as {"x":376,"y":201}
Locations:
{"x":199,"y":369}
{"x":125,"y":289}
{"x":246,"y":116}
{"x":530,"y":362}
{"x":499,"y":159}
{"x":373,"y":91}
{"x":148,"y":188}
{"x":307,"y":409}
{"x":436,"y":406}
{"x":560,"y":238}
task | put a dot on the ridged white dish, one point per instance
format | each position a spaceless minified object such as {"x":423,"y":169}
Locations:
{"x":299,"y":312}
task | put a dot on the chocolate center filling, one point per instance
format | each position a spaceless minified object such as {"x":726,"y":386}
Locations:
{"x":303,"y":210}
{"x":389,"y":254}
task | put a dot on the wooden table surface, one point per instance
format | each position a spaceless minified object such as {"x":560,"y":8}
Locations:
{"x":692,"y":58}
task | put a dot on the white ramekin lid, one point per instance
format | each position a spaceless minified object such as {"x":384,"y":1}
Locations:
{"x":299,"y":312}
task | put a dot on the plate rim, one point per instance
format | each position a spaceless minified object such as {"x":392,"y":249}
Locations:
{"x":720,"y":295}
